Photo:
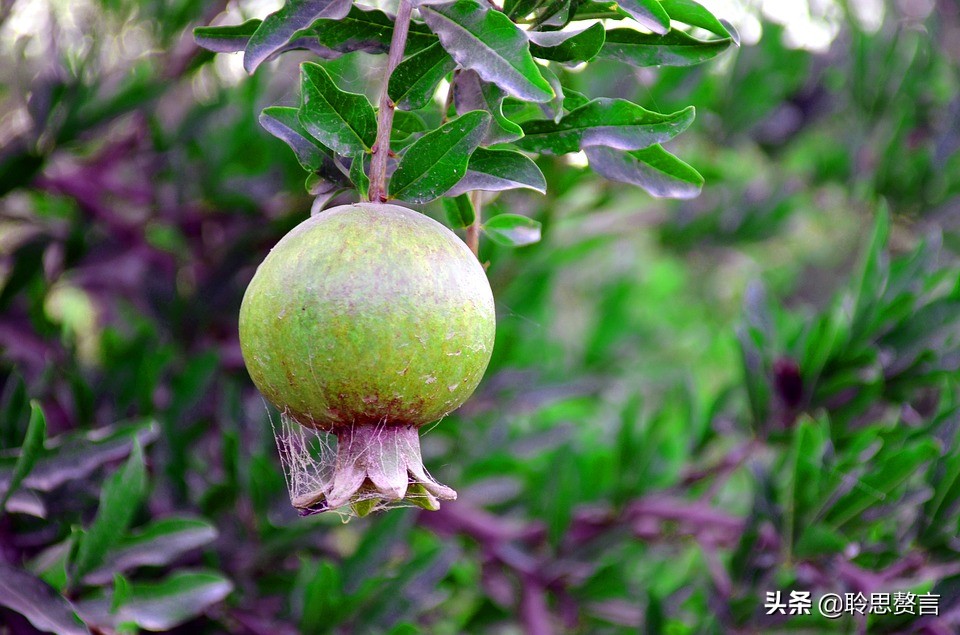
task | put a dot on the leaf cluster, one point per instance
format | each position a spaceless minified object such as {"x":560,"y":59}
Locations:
{"x":506,"y":71}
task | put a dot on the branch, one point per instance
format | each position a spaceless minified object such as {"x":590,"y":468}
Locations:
{"x":381,"y":149}
{"x":473,"y":231}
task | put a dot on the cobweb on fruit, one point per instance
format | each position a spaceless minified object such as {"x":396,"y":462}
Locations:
{"x":309,"y":458}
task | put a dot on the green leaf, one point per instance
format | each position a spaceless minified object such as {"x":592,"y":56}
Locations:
{"x":406,"y":126}
{"x":345,"y":122}
{"x":498,"y":170}
{"x":29,"y":451}
{"x":159,"y":606}
{"x":278,"y":27}
{"x":512,"y":230}
{"x":472,"y":93}
{"x":615,"y":123}
{"x":324,"y":605}
{"x":121,"y":591}
{"x":649,"y":13}
{"x":359,"y":170}
{"x":816,"y":541}
{"x":283,"y":123}
{"x":460,"y":211}
{"x":37,"y":601}
{"x":486,"y":41}
{"x":694,"y":14}
{"x":884,"y":476}
{"x":155,"y":545}
{"x":435,"y":163}
{"x":676,"y":48}
{"x":361,"y":29}
{"x":567,"y":47}
{"x":414,"y":81}
{"x":654,"y":169}
{"x":226,"y":39}
{"x":873,"y":275}
{"x":119,"y":500}
{"x":804,"y":466}
{"x":555,"y":13}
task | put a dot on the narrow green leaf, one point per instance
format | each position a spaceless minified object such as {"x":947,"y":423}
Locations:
{"x":615,"y":123}
{"x":694,"y":14}
{"x":159,"y":606}
{"x":649,"y":13}
{"x":119,"y":500}
{"x":278,"y":27}
{"x":472,"y":93}
{"x":414,"y":81}
{"x":498,"y":170}
{"x":37,"y":601}
{"x":486,"y":41}
{"x":121,"y":591}
{"x":873,"y":275}
{"x":884,"y":476}
{"x":512,"y":230}
{"x":676,"y":48}
{"x":29,"y":452}
{"x":654,"y":169}
{"x":567,"y":47}
{"x":226,"y":39}
{"x":435,"y":163}
{"x":345,"y":122}
{"x":459,"y":210}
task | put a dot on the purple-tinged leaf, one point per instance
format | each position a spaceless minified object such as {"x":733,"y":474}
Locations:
{"x":676,"y":48}
{"x":37,"y":601}
{"x":553,"y":109}
{"x":74,"y":456}
{"x":278,"y":27}
{"x":615,"y":123}
{"x":157,"y":544}
{"x":282,"y":122}
{"x":367,"y":30}
{"x":654,"y":169}
{"x":472,"y":93}
{"x":159,"y":606}
{"x":226,"y":39}
{"x":485,"y":40}
{"x":567,"y":47}
{"x":649,"y":13}
{"x":498,"y":170}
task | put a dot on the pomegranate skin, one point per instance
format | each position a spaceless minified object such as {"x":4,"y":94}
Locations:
{"x":368,"y":314}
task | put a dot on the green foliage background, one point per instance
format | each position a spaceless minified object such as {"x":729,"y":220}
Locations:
{"x":690,"y":403}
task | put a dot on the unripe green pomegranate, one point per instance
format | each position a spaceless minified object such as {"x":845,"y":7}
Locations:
{"x":369,"y":321}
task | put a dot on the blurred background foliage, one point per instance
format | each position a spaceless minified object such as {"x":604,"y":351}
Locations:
{"x":690,"y":403}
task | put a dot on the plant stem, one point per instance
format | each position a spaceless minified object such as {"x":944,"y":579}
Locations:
{"x":381,"y":149}
{"x":473,"y":231}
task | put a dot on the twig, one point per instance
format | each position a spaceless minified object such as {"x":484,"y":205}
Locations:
{"x":381,"y":148}
{"x":473,"y":230}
